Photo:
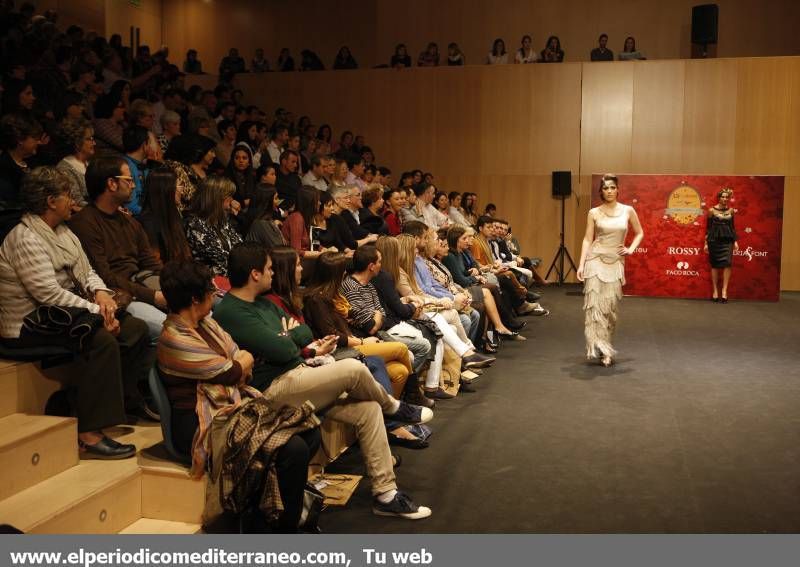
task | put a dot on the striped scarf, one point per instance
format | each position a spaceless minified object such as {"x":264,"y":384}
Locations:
{"x":183,"y":352}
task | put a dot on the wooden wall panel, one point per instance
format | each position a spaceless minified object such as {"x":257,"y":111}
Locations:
{"x":458,"y":106}
{"x":658,"y":94}
{"x":120,"y":16}
{"x":709,"y":117}
{"x":607,"y":118}
{"x":554,"y":128}
{"x":762,"y":108}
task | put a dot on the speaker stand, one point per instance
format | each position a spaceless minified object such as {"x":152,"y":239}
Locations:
{"x":561,"y":255}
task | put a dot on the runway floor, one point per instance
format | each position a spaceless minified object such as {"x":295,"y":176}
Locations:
{"x":696,"y":429}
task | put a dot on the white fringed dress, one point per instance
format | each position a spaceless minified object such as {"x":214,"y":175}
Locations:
{"x":604,"y":276}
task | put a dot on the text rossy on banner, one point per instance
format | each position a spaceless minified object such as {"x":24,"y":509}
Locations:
{"x":673,"y":210}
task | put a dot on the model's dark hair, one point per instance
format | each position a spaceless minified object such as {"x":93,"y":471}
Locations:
{"x":453,"y":236}
{"x":607,"y":177}
{"x":307,"y":204}
{"x":328,"y":275}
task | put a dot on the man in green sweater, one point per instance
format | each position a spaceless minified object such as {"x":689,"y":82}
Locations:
{"x":277,"y":342}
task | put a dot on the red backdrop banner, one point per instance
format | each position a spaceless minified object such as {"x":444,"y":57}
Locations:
{"x":673,"y":210}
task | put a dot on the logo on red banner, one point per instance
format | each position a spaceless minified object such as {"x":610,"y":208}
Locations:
{"x":673,"y":210}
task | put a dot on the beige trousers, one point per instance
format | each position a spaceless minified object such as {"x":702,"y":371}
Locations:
{"x":362,"y":408}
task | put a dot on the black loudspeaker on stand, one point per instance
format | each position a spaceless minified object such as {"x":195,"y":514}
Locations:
{"x":562,"y":188}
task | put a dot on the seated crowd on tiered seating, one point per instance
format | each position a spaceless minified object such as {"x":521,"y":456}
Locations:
{"x":264,"y":268}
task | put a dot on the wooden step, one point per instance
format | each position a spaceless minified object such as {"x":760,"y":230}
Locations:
{"x":169,"y":493}
{"x":94,"y":497}
{"x":25,"y":387}
{"x":34,"y":448}
{"x":146,"y":526}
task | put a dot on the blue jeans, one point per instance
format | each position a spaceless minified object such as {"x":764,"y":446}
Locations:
{"x":151,"y":315}
{"x":378,"y":370}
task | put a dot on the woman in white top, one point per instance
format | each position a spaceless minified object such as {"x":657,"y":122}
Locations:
{"x":602,"y":267}
{"x":498,"y":56}
{"x":526,"y":54}
{"x":629,"y":52}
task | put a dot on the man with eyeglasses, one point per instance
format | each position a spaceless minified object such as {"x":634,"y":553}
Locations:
{"x":116,"y":244}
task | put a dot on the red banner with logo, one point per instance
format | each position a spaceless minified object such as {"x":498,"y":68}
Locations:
{"x":673,"y":210}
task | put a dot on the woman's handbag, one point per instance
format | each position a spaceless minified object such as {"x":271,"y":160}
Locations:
{"x":313,"y":501}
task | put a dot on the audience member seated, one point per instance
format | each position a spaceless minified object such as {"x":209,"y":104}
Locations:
{"x":339,"y":175}
{"x":135,"y":141}
{"x":429,"y":57}
{"x":240,"y":171}
{"x":310,"y":61}
{"x":109,"y":120}
{"x":116,"y":244}
{"x":315,"y":176}
{"x":140,"y":113}
{"x":455,"y":57}
{"x":601,"y":52}
{"x":296,"y":228}
{"x":423,"y":282}
{"x":509,"y":283}
{"x":232,"y":63}
{"x":467,"y":272}
{"x":450,"y":254}
{"x":442,"y":204}
{"x":77,"y":135}
{"x":192,"y":65}
{"x":21,"y":136}
{"x":285,"y":61}
{"x":344,"y":59}
{"x":161,"y":219}
{"x":288,"y":182}
{"x":206,"y":374}
{"x":526,"y":53}
{"x":170,"y":122}
{"x":400,"y":59}
{"x":497,"y":56}
{"x":629,"y":51}
{"x":396,"y":203}
{"x":278,"y":139}
{"x":469,"y":205}
{"x":227,"y":135}
{"x":341,"y":220}
{"x":552,"y":52}
{"x":42,"y":264}
{"x":190,"y":156}
{"x":278,"y":342}
{"x":455,"y":212}
{"x":506,"y":254}
{"x":371,"y":214}
{"x":259,"y":222}
{"x":259,"y":63}
{"x":209,"y":230}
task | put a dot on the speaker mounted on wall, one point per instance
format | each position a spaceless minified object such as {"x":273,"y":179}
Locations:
{"x":562,"y":184}
{"x":705,"y":19}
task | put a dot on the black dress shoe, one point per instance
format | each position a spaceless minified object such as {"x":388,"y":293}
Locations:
{"x":533,"y":297}
{"x":477,"y":360}
{"x":407,"y":443}
{"x":106,"y":449}
{"x":517,"y":326}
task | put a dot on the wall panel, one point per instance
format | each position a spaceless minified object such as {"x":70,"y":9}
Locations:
{"x":709,"y":116}
{"x":607,"y":117}
{"x":658,"y":94}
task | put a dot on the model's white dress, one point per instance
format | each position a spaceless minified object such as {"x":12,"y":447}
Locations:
{"x":604,"y":276}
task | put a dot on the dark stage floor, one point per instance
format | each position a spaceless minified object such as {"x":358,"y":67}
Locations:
{"x":696,"y":429}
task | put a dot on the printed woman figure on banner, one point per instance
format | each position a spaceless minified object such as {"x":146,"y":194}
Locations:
{"x":721,"y":241}
{"x":602,"y":267}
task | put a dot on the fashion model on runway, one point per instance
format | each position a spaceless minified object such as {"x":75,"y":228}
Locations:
{"x":602,"y":267}
{"x":720,"y":243}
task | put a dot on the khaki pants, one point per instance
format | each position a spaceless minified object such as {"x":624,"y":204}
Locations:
{"x":362,"y":408}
